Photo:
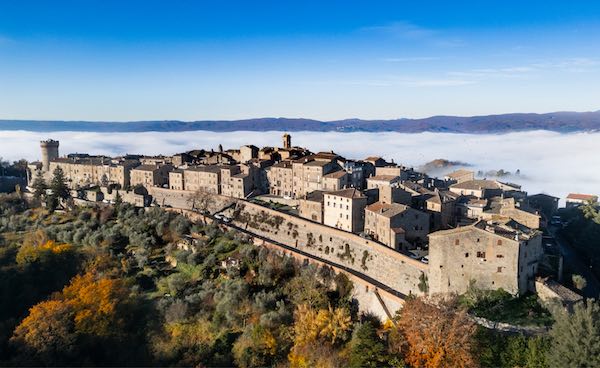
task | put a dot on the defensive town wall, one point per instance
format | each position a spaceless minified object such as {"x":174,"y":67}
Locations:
{"x":384,"y":265}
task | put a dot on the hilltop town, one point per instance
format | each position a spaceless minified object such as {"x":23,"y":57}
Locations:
{"x":398,"y":230}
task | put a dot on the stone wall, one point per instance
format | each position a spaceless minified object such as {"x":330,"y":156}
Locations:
{"x":375,"y":260}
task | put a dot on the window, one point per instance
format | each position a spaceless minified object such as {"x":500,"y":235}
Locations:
{"x":499,"y":256}
{"x":499,"y":269}
{"x":457,"y":242}
{"x":480,"y":254}
{"x":477,"y":240}
{"x":499,"y":242}
{"x":466,"y":255}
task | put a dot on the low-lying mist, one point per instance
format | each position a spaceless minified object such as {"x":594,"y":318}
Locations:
{"x":549,"y":162}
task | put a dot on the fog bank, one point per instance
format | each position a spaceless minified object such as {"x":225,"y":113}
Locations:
{"x":549,"y":162}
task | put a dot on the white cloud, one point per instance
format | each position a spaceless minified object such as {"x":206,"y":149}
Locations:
{"x":549,"y":162}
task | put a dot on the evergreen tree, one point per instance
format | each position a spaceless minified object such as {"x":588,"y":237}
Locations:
{"x":576,"y":337}
{"x":366,"y":348}
{"x":118,"y":200}
{"x":39,"y":185}
{"x":58,"y":184}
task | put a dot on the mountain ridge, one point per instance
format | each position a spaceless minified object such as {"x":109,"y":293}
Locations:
{"x":562,"y":121}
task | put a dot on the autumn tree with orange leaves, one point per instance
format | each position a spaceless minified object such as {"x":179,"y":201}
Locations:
{"x":435,"y":334}
{"x":90,"y":308}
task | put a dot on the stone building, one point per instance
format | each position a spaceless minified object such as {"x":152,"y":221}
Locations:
{"x":296,"y":178}
{"x":491,"y":254}
{"x":151,"y":175}
{"x":576,"y":199}
{"x":207,"y":178}
{"x":311,"y":206}
{"x":393,"y":194}
{"x":391,"y":223}
{"x":248,"y":152}
{"x":441,"y":206}
{"x":281,"y":179}
{"x":376,"y":161}
{"x":544,"y":203}
{"x":477,"y":188}
{"x":392,"y":170}
{"x":82,"y":171}
{"x":335,"y":180}
{"x":49,"y":153}
{"x":344,"y":209}
{"x":379,"y":181}
{"x":358,"y":172}
{"x":176,"y":180}
{"x":460,"y":176}
{"x":508,"y":208}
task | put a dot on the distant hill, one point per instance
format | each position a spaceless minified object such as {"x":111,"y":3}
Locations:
{"x":557,"y":121}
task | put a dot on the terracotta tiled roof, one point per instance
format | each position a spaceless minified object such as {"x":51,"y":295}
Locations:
{"x":582,"y":197}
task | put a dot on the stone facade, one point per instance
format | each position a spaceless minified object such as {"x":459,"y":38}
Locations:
{"x":151,"y":175}
{"x":379,"y":181}
{"x":344,"y":209}
{"x":392,"y":223}
{"x":400,"y":272}
{"x":492,"y":255}
{"x":207,"y":178}
{"x":311,"y":206}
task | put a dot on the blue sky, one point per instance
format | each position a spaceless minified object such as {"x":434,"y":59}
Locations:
{"x":195,"y":60}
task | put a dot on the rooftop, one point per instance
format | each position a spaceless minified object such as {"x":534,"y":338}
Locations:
{"x":315,"y":196}
{"x":459,"y":173}
{"x":335,"y":175}
{"x":476,"y":185}
{"x":146,"y":168}
{"x":582,"y":197}
{"x":387,"y":210}
{"x":205,"y":168}
{"x":388,"y":178}
{"x":347,"y":193}
{"x":508,"y":229}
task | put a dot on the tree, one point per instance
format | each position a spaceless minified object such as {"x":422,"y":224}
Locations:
{"x":590,"y":212}
{"x":58,"y":184}
{"x":436,"y":335}
{"x":366,"y":348}
{"x":202,"y":200}
{"x":256,"y":347}
{"x":576,"y":336}
{"x":118,"y":200}
{"x":48,"y":332}
{"x":39,"y":185}
{"x":316,"y":334}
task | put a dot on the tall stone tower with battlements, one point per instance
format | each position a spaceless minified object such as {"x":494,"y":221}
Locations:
{"x":287,"y":141}
{"x":49,"y":153}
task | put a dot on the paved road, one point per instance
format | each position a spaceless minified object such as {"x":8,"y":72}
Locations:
{"x":574,"y":262}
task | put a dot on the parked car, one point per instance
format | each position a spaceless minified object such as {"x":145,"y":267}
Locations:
{"x":425,"y":259}
{"x":218,"y":216}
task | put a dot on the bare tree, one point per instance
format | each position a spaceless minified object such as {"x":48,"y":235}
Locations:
{"x":202,"y":200}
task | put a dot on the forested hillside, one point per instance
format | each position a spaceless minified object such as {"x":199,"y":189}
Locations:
{"x":120,"y":286}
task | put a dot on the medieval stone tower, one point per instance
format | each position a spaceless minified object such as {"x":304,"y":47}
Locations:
{"x":287,"y":141}
{"x":49,"y":153}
